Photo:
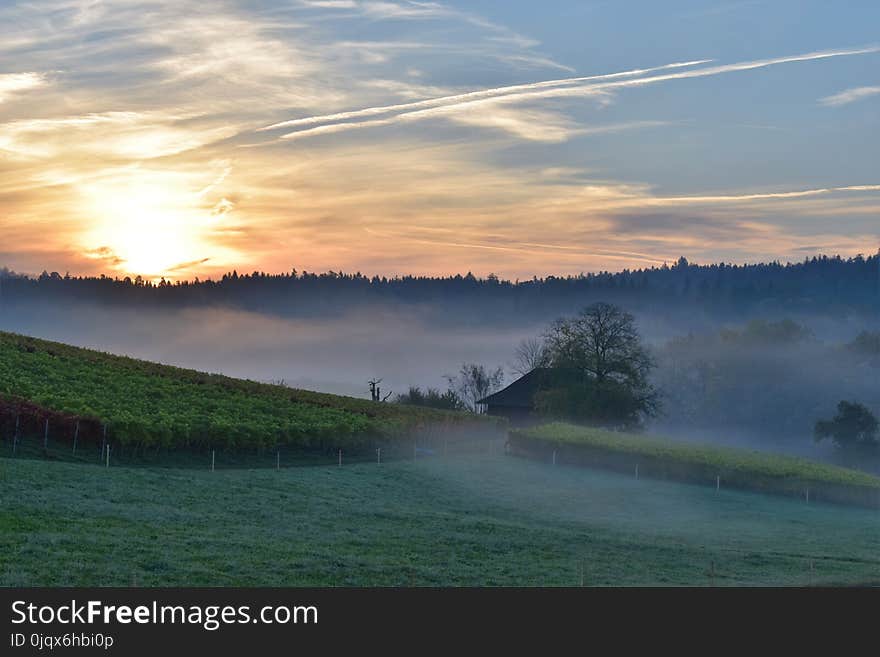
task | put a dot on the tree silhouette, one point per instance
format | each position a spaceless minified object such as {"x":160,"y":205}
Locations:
{"x":602,"y":349}
{"x":853,"y":426}
{"x":530,"y":354}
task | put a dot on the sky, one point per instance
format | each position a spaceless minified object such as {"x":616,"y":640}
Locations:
{"x":185,"y":139}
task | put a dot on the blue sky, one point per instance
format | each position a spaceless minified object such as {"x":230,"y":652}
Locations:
{"x":187,"y":138}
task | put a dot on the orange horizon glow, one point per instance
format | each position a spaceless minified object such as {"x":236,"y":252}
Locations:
{"x":228,"y":138}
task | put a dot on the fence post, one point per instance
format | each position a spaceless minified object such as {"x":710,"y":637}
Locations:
{"x":340,"y":458}
{"x":15,"y":436}
{"x":717,"y":483}
{"x":378,"y":455}
{"x":212,"y":460}
{"x":104,"y":441}
{"x":278,"y":460}
{"x":554,"y":457}
{"x":75,"y":436}
{"x":108,"y":457}
{"x":46,"y":437}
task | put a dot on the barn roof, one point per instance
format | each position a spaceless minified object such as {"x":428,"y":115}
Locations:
{"x":521,"y":393}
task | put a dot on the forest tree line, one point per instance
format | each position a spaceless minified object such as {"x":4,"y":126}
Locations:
{"x":823,"y":285}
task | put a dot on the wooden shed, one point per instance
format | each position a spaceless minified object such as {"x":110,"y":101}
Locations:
{"x":516,"y":402}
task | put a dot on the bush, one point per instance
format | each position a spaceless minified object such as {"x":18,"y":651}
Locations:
{"x":432,"y":398}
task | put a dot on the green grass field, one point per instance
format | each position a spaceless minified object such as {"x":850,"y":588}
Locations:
{"x":709,"y":465}
{"x":476,"y":519}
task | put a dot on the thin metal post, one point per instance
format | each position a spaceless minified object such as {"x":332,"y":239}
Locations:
{"x":15,"y":437}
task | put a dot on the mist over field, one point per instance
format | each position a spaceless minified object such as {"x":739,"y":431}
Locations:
{"x":759,"y":380}
{"x":337,"y":355}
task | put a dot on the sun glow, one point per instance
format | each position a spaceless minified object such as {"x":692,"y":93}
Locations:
{"x":153,"y":224}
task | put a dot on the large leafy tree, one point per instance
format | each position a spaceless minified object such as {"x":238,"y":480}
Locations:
{"x":853,"y":426}
{"x":609,"y":368}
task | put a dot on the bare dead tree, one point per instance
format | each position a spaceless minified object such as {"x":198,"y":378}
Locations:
{"x":474,"y":382}
{"x":376,"y":391}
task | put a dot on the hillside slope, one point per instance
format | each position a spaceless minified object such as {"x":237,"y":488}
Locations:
{"x":145,"y":404}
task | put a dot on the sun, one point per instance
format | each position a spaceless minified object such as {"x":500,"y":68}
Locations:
{"x":152,"y":224}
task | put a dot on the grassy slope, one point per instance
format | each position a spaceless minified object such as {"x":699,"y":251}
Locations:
{"x":725,"y":459}
{"x":481,"y":520}
{"x":154,"y":404}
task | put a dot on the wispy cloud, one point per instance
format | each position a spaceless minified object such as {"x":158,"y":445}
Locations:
{"x":126,"y":135}
{"x":516,"y":52}
{"x":541,"y":125}
{"x":527,"y":248}
{"x":850,"y":96}
{"x":509,"y":46}
{"x":12,"y":83}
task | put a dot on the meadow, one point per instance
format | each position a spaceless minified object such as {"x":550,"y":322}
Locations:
{"x":470,"y":518}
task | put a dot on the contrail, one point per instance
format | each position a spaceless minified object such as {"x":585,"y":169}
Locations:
{"x":746,"y":66}
{"x":570,"y":87}
{"x":675,"y":200}
{"x":472,"y":95}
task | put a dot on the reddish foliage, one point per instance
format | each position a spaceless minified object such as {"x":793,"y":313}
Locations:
{"x":32,"y":417}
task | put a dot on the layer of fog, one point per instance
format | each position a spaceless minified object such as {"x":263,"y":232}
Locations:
{"x":329,"y":355}
{"x":761,"y":396}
